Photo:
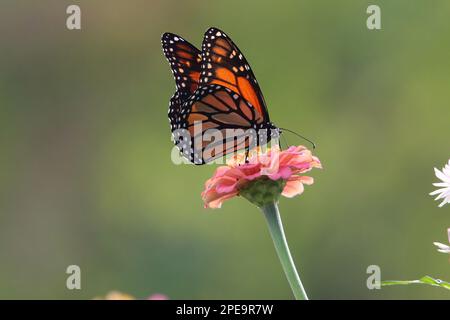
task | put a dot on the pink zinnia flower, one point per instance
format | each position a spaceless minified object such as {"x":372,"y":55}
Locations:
{"x":267,"y":172}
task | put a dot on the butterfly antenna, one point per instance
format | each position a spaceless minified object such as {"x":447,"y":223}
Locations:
{"x":285,"y":140}
{"x":300,"y":136}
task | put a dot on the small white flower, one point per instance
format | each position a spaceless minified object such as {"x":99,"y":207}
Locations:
{"x":444,"y":191}
{"x":443,"y":247}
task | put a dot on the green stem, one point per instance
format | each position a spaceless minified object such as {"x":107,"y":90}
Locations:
{"x":279,"y":239}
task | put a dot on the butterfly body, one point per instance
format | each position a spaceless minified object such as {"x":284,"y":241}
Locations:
{"x":216,"y":92}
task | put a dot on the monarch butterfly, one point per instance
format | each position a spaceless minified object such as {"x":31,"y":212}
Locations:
{"x":216,"y":88}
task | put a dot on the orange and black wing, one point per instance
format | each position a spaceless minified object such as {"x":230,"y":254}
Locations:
{"x":185,"y":62}
{"x":219,"y":108}
{"x":224,"y":64}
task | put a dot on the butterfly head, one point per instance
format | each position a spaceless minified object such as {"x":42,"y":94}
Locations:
{"x":267,"y":131}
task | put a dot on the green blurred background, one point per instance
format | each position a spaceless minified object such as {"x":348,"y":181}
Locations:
{"x":86,"y":175}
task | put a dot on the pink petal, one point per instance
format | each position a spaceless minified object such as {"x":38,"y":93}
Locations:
{"x":283,"y":173}
{"x":226,"y":185}
{"x":250,"y":171}
{"x":217,"y":203}
{"x":292,"y":188}
{"x":306,"y":180}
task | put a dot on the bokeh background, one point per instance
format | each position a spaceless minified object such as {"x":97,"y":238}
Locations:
{"x":86,"y":175}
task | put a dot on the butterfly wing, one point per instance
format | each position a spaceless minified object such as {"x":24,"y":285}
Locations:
{"x":216,"y":107}
{"x":185,"y":63}
{"x":224,"y":64}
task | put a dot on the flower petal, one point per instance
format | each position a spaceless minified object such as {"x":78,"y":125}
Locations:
{"x":441,"y":175}
{"x":442,"y":184}
{"x":437,"y":191}
{"x":283,"y":173}
{"x":441,"y":245}
{"x":446,"y":169}
{"x":307,"y":180}
{"x":226,"y":185}
{"x":292,"y":188}
{"x":216,"y":203}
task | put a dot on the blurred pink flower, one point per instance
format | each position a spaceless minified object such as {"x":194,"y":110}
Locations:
{"x":117,"y":295}
{"x":158,"y":296}
{"x":443,"y":247}
{"x":286,"y":166}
